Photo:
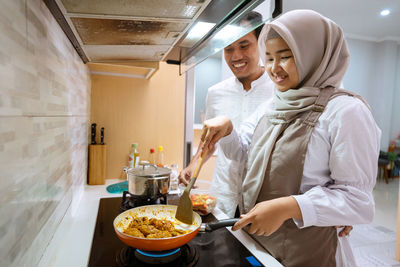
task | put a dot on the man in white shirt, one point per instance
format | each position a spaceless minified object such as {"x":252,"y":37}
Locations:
{"x":236,"y":97}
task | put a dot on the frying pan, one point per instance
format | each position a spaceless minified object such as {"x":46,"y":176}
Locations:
{"x":166,"y":212}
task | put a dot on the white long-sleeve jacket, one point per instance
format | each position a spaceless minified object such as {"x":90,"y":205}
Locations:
{"x":340,"y":166}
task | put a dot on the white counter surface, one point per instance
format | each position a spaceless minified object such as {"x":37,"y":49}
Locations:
{"x":72,"y":241}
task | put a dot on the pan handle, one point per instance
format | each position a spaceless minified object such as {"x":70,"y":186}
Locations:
{"x":208,"y":227}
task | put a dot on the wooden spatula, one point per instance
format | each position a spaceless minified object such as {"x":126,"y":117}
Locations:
{"x":184,"y":212}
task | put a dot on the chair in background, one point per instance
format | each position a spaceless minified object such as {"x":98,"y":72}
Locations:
{"x":396,"y":169}
{"x":383,"y":162}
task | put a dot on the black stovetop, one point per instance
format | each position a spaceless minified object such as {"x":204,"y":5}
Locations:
{"x":217,"y":248}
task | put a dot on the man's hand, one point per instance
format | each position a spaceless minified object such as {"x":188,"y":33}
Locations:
{"x":266,"y":217}
{"x":345,"y":231}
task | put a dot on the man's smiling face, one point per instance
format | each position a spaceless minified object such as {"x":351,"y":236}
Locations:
{"x":242,"y":57}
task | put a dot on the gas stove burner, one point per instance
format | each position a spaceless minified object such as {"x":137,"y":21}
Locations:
{"x":130,"y":201}
{"x":126,"y":257}
{"x":192,"y":255}
{"x":158,"y":257}
{"x":186,"y":256}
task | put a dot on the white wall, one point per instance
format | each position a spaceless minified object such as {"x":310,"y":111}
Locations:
{"x":207,"y":73}
{"x":395,"y":129}
{"x":362,"y":64}
{"x":373,"y":73}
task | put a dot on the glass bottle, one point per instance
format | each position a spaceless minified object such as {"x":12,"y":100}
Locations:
{"x":174,"y":181}
{"x":134,"y":156}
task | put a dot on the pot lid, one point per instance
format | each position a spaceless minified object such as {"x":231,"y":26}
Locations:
{"x":149,"y":170}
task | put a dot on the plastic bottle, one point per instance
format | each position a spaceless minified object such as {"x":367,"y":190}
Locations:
{"x":152,"y":158}
{"x":134,"y":156}
{"x":131,"y":160}
{"x":137,"y":155}
{"x":174,"y":181}
{"x":160,"y":158}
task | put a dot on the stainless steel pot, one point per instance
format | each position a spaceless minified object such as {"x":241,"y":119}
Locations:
{"x":148,"y":180}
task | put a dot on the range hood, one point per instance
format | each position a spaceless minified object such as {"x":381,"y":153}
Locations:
{"x":137,"y":32}
{"x":220,"y":29}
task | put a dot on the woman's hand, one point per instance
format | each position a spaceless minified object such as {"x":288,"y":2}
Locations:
{"x":186,"y":174}
{"x":267,"y":216}
{"x":214,"y":129}
{"x":345,"y":231}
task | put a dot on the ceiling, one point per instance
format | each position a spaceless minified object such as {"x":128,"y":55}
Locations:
{"x":128,"y":30}
{"x":358,"y":18}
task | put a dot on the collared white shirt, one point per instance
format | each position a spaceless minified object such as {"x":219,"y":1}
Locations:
{"x":228,"y":98}
{"x":339,"y":170}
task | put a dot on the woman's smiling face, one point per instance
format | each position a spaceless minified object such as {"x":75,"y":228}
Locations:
{"x":280,"y":64}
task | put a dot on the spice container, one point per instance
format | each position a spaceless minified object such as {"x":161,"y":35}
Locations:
{"x":204,"y":199}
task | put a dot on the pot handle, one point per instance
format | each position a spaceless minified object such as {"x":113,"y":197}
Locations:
{"x":149,"y":164}
{"x":208,"y":227}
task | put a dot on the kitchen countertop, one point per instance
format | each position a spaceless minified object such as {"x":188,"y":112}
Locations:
{"x":71,"y":243}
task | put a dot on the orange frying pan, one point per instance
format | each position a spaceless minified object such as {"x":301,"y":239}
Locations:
{"x":166,"y":212}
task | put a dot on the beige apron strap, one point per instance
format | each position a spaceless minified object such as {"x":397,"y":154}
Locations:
{"x":323,"y":98}
{"x":319,"y":106}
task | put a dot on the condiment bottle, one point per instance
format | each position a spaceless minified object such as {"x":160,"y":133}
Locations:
{"x":160,"y":159}
{"x":134,"y":156}
{"x":131,"y":157}
{"x":152,"y":158}
{"x":137,"y":155}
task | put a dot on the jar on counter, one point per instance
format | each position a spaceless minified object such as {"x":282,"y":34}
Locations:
{"x":174,"y":180}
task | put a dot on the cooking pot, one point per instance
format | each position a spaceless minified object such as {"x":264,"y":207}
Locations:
{"x":166,"y":212}
{"x":148,"y":180}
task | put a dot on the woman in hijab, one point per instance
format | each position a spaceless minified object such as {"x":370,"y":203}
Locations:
{"x":311,"y":153}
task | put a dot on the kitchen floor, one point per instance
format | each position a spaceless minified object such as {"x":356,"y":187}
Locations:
{"x":386,"y":198}
{"x":374,"y":244}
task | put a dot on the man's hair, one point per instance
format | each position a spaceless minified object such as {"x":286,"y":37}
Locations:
{"x":254,"y":18}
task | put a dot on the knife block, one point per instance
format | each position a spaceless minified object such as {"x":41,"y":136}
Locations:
{"x":97,"y":164}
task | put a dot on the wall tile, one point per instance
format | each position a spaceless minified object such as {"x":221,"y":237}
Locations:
{"x":44,"y":111}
